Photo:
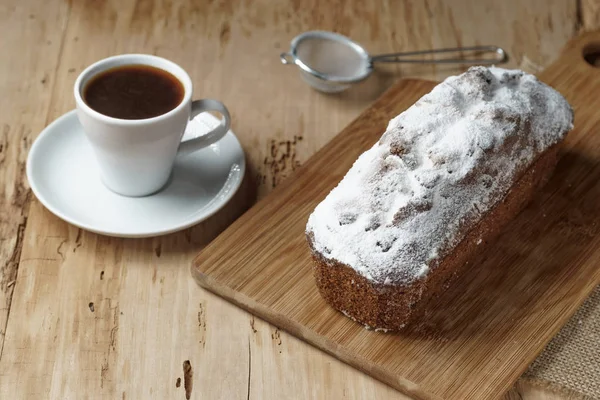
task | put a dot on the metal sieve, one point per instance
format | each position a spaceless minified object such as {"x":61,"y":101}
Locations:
{"x":331,"y":62}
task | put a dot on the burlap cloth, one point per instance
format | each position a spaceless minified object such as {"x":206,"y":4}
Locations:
{"x":571,"y":361}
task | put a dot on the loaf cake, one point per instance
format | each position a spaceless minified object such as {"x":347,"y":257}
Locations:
{"x":442,"y":181}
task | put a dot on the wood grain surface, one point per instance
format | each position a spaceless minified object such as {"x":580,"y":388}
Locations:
{"x":148,"y":315}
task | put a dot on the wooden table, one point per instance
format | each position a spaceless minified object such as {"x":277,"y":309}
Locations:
{"x":87,"y":316}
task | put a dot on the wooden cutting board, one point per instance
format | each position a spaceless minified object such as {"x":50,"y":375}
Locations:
{"x":492,"y":323}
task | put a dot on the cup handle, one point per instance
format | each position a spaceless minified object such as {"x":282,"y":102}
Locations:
{"x":198,"y":107}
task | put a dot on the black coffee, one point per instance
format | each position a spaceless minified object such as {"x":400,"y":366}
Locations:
{"x":133,"y":92}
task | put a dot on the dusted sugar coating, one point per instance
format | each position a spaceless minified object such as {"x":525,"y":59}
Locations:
{"x":439,"y":168}
{"x":394,"y":307}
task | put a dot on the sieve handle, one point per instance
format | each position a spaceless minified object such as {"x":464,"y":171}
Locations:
{"x":287,"y":58}
{"x":464,"y":55}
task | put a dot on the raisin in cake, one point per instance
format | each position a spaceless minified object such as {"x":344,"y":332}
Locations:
{"x":445,"y":177}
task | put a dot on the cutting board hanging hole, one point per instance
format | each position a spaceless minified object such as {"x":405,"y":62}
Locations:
{"x":591,"y":54}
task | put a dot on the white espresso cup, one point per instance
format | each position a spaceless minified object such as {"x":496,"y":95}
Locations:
{"x":136,"y":156}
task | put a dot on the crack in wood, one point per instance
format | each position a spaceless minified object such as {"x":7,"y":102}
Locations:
{"x":280,"y":160}
{"x":39,"y":259}
{"x":4,"y":142}
{"x":276,"y":336}
{"x":249,"y":368}
{"x":112,"y":342}
{"x":8,"y":275}
{"x":21,"y":194}
{"x":115,"y":327}
{"x":103,"y":373}
{"x":77,"y":240}
{"x":188,"y":379}
{"x":13,"y":261}
{"x":202,"y":324}
{"x":59,"y":249}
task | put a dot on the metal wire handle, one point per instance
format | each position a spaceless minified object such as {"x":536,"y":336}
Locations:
{"x":499,"y":53}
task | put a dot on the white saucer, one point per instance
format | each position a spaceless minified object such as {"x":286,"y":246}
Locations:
{"x":62,"y":172}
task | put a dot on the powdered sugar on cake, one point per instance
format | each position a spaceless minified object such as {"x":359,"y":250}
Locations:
{"x":440,"y":165}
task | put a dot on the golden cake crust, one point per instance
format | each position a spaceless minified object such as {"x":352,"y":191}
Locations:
{"x":392,"y":307}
